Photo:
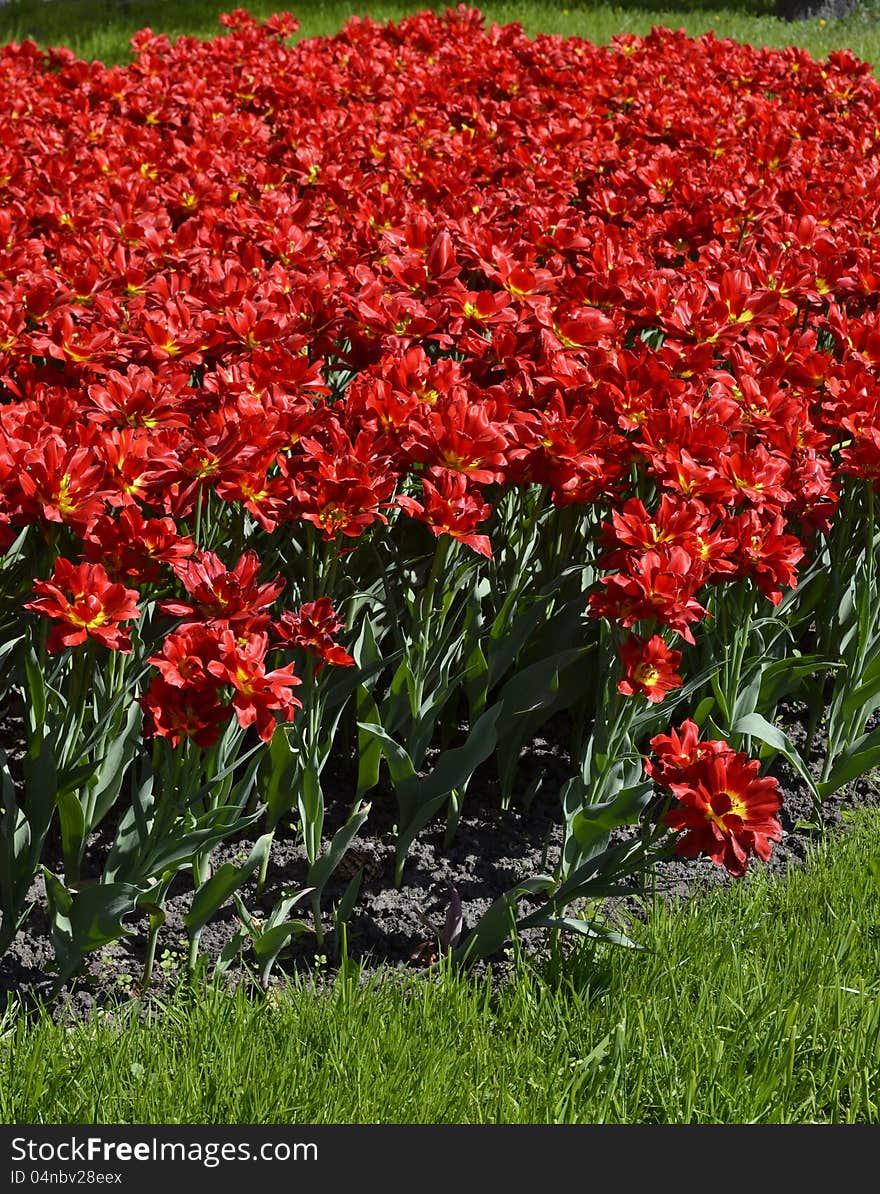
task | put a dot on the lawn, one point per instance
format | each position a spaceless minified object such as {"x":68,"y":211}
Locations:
{"x":101,"y":28}
{"x":758,"y":1004}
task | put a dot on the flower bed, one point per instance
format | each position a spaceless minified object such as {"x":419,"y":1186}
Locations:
{"x":379,"y":400}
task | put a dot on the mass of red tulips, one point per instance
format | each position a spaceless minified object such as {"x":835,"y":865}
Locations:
{"x":391,"y":396}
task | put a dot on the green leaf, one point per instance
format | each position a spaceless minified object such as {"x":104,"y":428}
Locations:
{"x":365,"y":650}
{"x":279,"y":913}
{"x":746,"y":700}
{"x":601,"y":873}
{"x":321,"y":870}
{"x":133,"y":831}
{"x":455,"y":766}
{"x":593,"y":823}
{"x":400,"y":765}
{"x":114,"y":764}
{"x":537,"y":685}
{"x":9,"y":645}
{"x":861,"y":758}
{"x":177,"y":850}
{"x":528,"y":701}
{"x":476,"y":681}
{"x":506,"y":641}
{"x":703,"y":710}
{"x":586,"y":928}
{"x":18,"y":860}
{"x":419,"y":812}
{"x":499,"y":920}
{"x":344,"y":908}
{"x":862,"y":701}
{"x":37,"y":699}
{"x":71,"y":817}
{"x":74,"y":779}
{"x":401,"y":703}
{"x":369,"y":746}
{"x":720,"y":698}
{"x":268,"y":945}
{"x":40,"y":789}
{"x":228,"y":878}
{"x":230,"y":951}
{"x":278,"y":774}
{"x":85,"y":920}
{"x":758,"y":727}
{"x":310,"y":801}
{"x":778,"y":679}
{"x":420,"y":799}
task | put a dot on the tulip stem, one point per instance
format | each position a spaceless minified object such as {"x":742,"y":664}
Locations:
{"x":201,"y":873}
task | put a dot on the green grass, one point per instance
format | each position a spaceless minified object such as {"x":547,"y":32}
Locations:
{"x":101,"y":28}
{"x":759,"y":1004}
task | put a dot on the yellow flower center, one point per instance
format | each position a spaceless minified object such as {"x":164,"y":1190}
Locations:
{"x":63,"y":501}
{"x":737,"y":809}
{"x":647,"y":675}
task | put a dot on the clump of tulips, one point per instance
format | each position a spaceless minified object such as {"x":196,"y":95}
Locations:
{"x":306,"y":453}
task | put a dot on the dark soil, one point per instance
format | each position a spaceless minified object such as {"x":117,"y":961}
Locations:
{"x":491,"y":851}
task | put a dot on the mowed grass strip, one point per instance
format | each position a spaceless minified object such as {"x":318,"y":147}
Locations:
{"x":101,"y":28}
{"x":756,"y":1004}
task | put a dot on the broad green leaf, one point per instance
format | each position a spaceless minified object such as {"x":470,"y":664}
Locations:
{"x":85,"y":920}
{"x":747,"y":695}
{"x":506,"y":641}
{"x":418,"y":813}
{"x":75,"y":779}
{"x":400,"y":765}
{"x":228,"y":878}
{"x":593,"y":823}
{"x":601,"y":873}
{"x":476,"y":681}
{"x":720,"y":698}
{"x":40,"y":789}
{"x":536,"y":685}
{"x":401,"y":703}
{"x":310,"y":800}
{"x":456,"y":765}
{"x":177,"y":850}
{"x":499,"y":920}
{"x":278,"y":774}
{"x":586,"y":928}
{"x":114,"y":765}
{"x":73,"y":832}
{"x":758,"y":727}
{"x":344,"y":908}
{"x":862,"y":701}
{"x":779,"y":679}
{"x":279,"y":913}
{"x":861,"y":758}
{"x":562,"y":692}
{"x":703,"y":710}
{"x":9,"y":645}
{"x":37,"y":700}
{"x":268,"y":945}
{"x":369,"y":746}
{"x":366,"y":650}
{"x":133,"y":831}
{"x":18,"y":861}
{"x":230,"y":951}
{"x":321,"y":870}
